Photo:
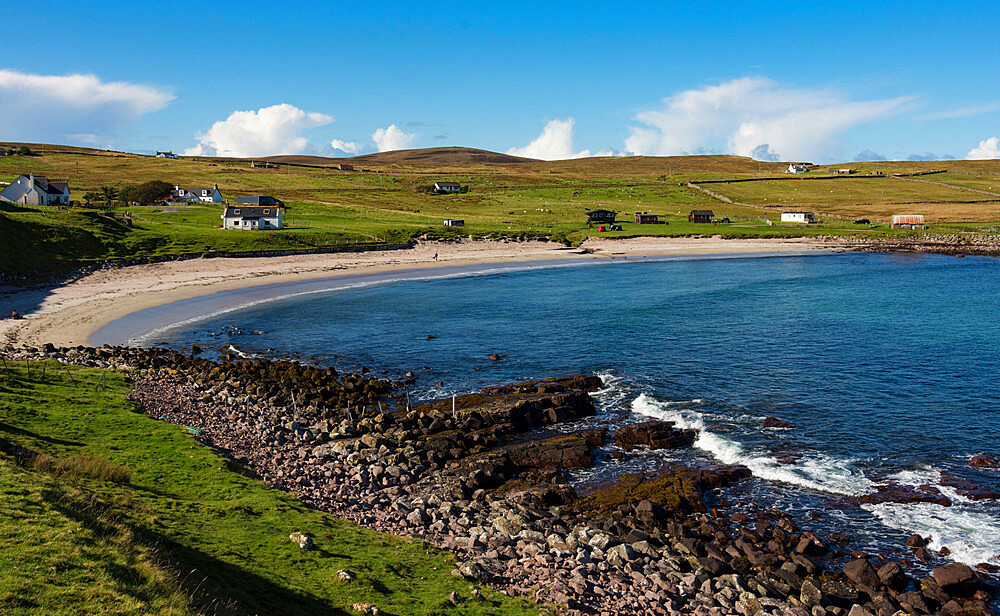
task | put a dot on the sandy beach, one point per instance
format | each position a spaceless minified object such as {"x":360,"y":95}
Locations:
{"x":69,"y":314}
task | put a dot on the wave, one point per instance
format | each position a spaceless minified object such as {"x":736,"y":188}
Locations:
{"x":929,"y":476}
{"x":971,"y":536}
{"x":816,"y":471}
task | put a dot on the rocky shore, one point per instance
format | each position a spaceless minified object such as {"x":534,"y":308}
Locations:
{"x":954,"y":244}
{"x":470,"y":475}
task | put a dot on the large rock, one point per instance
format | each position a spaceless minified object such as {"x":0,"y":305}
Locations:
{"x":775,"y":423}
{"x":957,"y":579}
{"x":862,"y":574}
{"x":891,"y":575}
{"x":984,"y":460}
{"x":654,"y":435}
{"x":567,"y":451}
{"x":302,"y":540}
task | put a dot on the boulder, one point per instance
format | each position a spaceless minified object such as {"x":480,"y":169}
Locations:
{"x":891,"y":575}
{"x":565,"y":451}
{"x":862,"y":574}
{"x":475,"y":571}
{"x":984,"y":460}
{"x":775,"y":423}
{"x":957,"y":579}
{"x":304,"y":541}
{"x":654,"y":435}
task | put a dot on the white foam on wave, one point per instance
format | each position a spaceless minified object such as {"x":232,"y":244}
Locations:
{"x":928,"y":476}
{"x":972,"y":536}
{"x":816,"y":471}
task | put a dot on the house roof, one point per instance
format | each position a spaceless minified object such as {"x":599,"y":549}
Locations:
{"x":198,"y":189}
{"x":702,"y":213}
{"x":49,"y":187}
{"x":54,"y":188}
{"x":259,"y":200}
{"x":600,"y":212}
{"x":251,"y":211}
{"x":449,"y":184}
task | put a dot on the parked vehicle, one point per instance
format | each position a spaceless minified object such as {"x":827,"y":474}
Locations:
{"x":862,"y":221}
{"x":725,"y":219}
{"x":616,"y":227}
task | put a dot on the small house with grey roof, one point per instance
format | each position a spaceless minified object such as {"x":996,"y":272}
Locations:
{"x":34,"y":190}
{"x":198,"y":193}
{"x":259,"y":200}
{"x":253,"y":217}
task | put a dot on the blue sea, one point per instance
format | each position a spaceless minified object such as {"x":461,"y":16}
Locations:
{"x":887,"y":365}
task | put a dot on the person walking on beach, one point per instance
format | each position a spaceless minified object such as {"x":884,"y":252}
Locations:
{"x":435,"y":256}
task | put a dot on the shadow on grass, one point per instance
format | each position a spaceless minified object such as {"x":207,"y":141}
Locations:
{"x":5,"y":427}
{"x":212,"y":586}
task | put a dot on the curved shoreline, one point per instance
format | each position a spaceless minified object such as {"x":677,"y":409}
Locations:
{"x":71,"y":314}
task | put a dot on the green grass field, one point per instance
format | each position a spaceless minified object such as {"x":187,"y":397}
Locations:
{"x":330,"y":208}
{"x":180,"y":532}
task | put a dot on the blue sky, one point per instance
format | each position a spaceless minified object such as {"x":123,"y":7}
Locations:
{"x":788,"y":81}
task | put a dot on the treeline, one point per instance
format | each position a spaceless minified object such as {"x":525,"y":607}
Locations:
{"x":147,"y":192}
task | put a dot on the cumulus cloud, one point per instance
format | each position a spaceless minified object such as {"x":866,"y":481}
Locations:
{"x":392,"y":138}
{"x":349,"y":147}
{"x":60,"y":107}
{"x":555,"y":143}
{"x":269,"y":130}
{"x":741,"y":115}
{"x":987,"y":149}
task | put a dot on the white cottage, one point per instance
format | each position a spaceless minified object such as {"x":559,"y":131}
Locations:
{"x":252,"y":217}
{"x":33,"y":190}
{"x":447,"y":187}
{"x":199,"y":193}
{"x":793,"y":168}
{"x":805,"y":217}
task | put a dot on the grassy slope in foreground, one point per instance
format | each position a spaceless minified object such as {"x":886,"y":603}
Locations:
{"x":185,"y":534}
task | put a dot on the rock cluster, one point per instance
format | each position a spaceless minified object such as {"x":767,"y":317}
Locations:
{"x":466,"y":475}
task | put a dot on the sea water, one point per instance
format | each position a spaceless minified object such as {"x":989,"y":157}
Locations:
{"x":887,"y":366}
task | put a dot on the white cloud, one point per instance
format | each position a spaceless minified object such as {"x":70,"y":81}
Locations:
{"x":60,"y":107}
{"x":555,"y":143}
{"x":987,"y":149}
{"x":963,"y":112}
{"x":742,"y":115}
{"x":269,"y":130}
{"x":349,"y":147}
{"x":392,"y":138}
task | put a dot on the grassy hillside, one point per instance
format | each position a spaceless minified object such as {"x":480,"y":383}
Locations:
{"x":507,"y":197}
{"x":128,"y":515}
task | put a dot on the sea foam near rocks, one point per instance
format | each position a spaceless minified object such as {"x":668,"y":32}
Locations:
{"x":814,"y":471}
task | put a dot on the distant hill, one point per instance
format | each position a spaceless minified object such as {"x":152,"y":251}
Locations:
{"x":449,"y":157}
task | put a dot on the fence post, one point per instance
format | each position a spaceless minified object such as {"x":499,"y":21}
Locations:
{"x":28,"y":366}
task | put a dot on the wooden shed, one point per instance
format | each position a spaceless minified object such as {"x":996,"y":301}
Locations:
{"x":642,"y":218}
{"x":701,"y":216}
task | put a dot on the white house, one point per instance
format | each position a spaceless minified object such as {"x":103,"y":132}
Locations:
{"x":252,"y":217}
{"x":793,"y":168}
{"x":454,"y":222}
{"x":447,"y":187}
{"x":33,"y":190}
{"x":166,"y":155}
{"x":806,"y":217}
{"x":207,"y":195}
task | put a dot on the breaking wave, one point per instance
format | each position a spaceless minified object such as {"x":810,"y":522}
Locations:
{"x":815,"y":471}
